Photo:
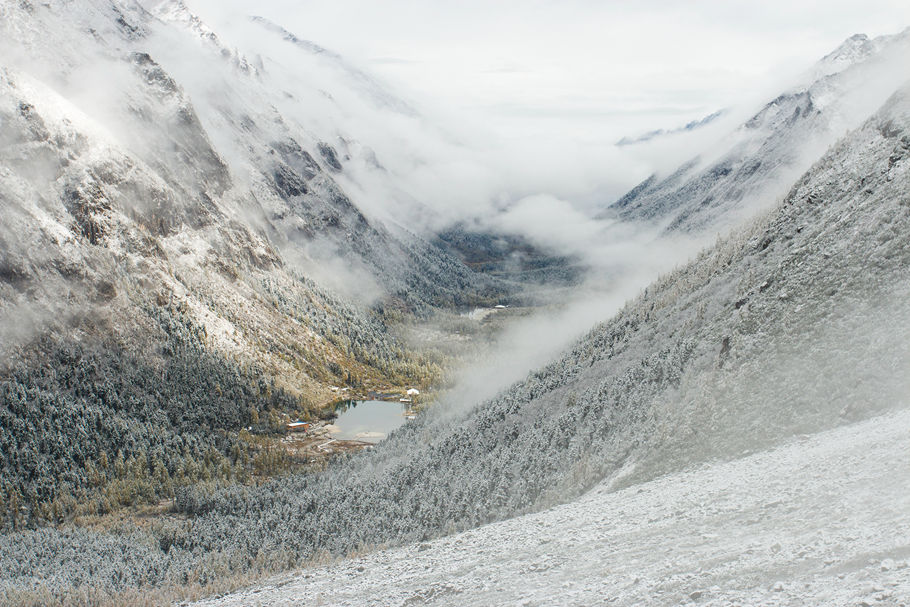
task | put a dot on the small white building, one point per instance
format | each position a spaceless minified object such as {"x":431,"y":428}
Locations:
{"x":413,"y":392}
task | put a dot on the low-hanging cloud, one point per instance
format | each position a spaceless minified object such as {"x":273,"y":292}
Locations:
{"x":542,"y":178}
{"x":428,"y":165}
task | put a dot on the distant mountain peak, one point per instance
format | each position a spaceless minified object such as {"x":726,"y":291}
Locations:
{"x":293,"y":39}
{"x":851,"y":51}
{"x":177,"y":12}
{"x":776,"y":143}
{"x":855,"y":47}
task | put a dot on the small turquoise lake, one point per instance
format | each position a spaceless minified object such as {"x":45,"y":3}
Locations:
{"x":368,"y":420}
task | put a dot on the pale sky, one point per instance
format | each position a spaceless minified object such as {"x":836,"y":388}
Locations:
{"x":593,"y":68}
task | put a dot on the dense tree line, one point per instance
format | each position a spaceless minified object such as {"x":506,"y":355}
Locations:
{"x":419,"y":275}
{"x":361,"y":335}
{"x":98,"y":425}
{"x":512,"y":258}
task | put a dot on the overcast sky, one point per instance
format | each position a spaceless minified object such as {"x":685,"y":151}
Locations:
{"x":592,"y":69}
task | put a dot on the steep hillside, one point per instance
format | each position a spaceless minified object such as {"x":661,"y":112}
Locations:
{"x":794,"y":324}
{"x":120,"y":190}
{"x":808,"y":523}
{"x":215,"y":139}
{"x":755,"y":165}
{"x":511,"y":257}
{"x":178,"y":226}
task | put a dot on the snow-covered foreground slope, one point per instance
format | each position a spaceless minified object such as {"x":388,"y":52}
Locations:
{"x":821,"y":520}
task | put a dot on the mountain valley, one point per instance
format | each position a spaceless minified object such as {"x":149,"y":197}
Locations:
{"x":203,"y":241}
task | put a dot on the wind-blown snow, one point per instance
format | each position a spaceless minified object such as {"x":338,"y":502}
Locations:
{"x":814,"y":522}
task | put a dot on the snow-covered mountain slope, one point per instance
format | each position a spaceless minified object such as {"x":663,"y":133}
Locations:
{"x":754,"y":166}
{"x":203,"y":119}
{"x":119,"y":175}
{"x":795,"y":324}
{"x":813,"y":522}
{"x":180,"y":257}
{"x":783,"y":328}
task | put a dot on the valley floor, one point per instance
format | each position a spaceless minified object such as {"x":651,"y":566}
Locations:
{"x":821,"y":520}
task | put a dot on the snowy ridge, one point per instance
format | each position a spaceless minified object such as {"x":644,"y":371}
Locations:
{"x":689,"y":126}
{"x":853,"y":50}
{"x":754,"y":166}
{"x":367,"y":85}
{"x":176,"y":12}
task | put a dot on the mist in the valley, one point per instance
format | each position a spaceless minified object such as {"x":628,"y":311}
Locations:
{"x":418,"y":168}
{"x":782,"y":315}
{"x":418,"y":165}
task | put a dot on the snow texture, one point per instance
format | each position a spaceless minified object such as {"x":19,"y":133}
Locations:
{"x":817,"y":521}
{"x":795,"y":324}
